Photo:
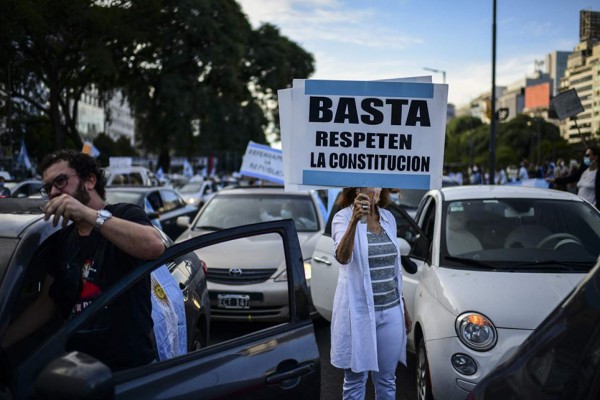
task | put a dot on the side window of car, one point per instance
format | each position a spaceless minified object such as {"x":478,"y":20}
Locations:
{"x":426,"y":220}
{"x":171,"y":200}
{"x":155,"y":201}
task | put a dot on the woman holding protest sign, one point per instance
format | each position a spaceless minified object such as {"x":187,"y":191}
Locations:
{"x":370,"y":324}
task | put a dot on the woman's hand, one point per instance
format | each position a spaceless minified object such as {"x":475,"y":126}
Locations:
{"x":361,"y":207}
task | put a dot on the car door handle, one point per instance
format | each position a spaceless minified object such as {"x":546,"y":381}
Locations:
{"x":322,"y":260}
{"x":279,"y":377}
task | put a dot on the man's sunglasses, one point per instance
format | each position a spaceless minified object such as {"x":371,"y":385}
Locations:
{"x":59,"y":182}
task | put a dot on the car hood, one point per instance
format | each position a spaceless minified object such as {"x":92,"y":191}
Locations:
{"x":511,"y":300}
{"x":264,"y":251}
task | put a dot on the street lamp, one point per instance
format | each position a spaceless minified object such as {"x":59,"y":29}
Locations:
{"x":437,"y":71}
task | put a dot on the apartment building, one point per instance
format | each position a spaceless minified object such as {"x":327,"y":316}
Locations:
{"x":583,"y":75}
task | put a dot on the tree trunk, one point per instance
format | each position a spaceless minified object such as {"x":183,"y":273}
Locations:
{"x":164,"y":160}
{"x":58,"y":132}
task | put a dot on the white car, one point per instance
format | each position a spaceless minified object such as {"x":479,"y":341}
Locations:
{"x":130,"y":176}
{"x":247,"y":280}
{"x":196,"y":193}
{"x":490,"y":263}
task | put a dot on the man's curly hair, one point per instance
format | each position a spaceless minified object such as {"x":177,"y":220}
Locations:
{"x":82,"y":163}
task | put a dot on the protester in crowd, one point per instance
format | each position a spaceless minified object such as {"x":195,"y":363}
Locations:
{"x":560,"y":171}
{"x":501,"y":178}
{"x":587,"y":178}
{"x":370,"y":323}
{"x":574,"y":165}
{"x":476,"y":178}
{"x":523,"y":174}
{"x":100,"y":245}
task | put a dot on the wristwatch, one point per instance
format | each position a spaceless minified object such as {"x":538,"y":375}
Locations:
{"x":101,"y":218}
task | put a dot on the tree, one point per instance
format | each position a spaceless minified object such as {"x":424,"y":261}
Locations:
{"x":201,"y":63}
{"x":53,"y":51}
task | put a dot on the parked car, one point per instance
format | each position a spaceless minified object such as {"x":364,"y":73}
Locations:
{"x":130,"y":176}
{"x":490,"y":263}
{"x":278,"y":362}
{"x":250,"y":282}
{"x":163,"y":205}
{"x":198,"y":192}
{"x":559,"y":360}
{"x":26,"y":188}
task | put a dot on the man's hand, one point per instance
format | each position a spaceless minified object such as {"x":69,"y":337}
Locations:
{"x":67,"y":207}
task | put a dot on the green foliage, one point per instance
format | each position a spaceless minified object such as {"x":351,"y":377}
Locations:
{"x":468,"y":140}
{"x":109,"y":148}
{"x":179,"y":63}
{"x":52,"y":51}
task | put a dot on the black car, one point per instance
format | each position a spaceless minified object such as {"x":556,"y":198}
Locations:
{"x":272,"y":362}
{"x":163,"y":205}
{"x":560,"y":359}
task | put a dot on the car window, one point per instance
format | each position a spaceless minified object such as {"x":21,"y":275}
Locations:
{"x":155,"y":201}
{"x":171,"y":201}
{"x":115,"y":196}
{"x":521,"y":232}
{"x":191,"y":187}
{"x":226,"y":211}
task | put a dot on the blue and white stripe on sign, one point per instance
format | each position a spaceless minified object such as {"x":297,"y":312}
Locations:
{"x":374,"y":89}
{"x":358,"y":179}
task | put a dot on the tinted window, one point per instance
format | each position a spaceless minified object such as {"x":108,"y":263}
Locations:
{"x":171,"y":201}
{"x":226,"y":211}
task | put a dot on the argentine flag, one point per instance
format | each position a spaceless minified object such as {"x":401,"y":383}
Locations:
{"x":168,"y":314}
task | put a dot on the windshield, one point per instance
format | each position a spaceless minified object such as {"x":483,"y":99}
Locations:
{"x":226,"y":211}
{"x":521,"y":233}
{"x":125,"y":197}
{"x":410,"y":197}
{"x":191,"y":187}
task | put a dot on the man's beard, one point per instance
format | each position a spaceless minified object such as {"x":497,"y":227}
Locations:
{"x":81,"y":193}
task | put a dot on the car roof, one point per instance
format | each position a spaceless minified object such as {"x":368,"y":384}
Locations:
{"x":18,"y":214}
{"x":501,"y":191}
{"x":245,"y":190}
{"x":136,"y":189}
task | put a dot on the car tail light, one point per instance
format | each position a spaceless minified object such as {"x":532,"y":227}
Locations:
{"x":203,"y":265}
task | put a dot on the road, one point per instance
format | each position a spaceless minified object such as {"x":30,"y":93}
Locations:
{"x":332,"y":378}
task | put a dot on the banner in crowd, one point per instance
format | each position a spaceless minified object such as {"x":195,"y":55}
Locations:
{"x":363,"y":133}
{"x":263,"y":162}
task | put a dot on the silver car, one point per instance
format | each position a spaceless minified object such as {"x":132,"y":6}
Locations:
{"x":250,"y":283}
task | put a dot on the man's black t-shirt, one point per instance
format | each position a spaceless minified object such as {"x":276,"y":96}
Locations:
{"x":83,"y":267}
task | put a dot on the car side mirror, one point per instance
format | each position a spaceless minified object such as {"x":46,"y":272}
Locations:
{"x":404,"y":246}
{"x":420,"y":247}
{"x":183,"y":221}
{"x":408,"y":265}
{"x":75,"y":376}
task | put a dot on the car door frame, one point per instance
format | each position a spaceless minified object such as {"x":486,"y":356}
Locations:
{"x":280,"y":362}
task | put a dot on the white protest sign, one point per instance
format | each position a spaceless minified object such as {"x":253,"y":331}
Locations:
{"x":355,"y":133}
{"x":263,"y":162}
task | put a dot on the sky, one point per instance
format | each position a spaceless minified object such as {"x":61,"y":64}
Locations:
{"x":383,"y":39}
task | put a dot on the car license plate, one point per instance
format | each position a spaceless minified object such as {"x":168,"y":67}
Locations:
{"x":234,"y":301}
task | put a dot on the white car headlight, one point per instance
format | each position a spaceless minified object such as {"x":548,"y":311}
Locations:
{"x":307,"y":272}
{"x":476,"y":331}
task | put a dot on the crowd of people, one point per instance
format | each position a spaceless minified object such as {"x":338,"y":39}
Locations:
{"x":476,"y":174}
